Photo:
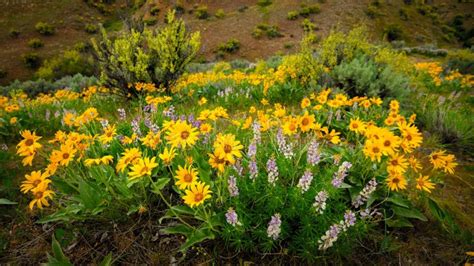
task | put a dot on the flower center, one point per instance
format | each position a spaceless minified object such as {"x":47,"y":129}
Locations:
{"x":395,"y":180}
{"x":292,"y":127}
{"x":39,"y":194}
{"x":387,"y":143}
{"x":355,"y":125}
{"x":375,"y":149}
{"x":198,"y":197}
{"x":65,"y":156}
{"x":184,"y":134}
{"x":305,"y":121}
{"x":36,"y":182}
{"x":29,"y":142}
{"x":409,"y":137}
{"x":227,"y":148}
{"x":188,"y":178}
{"x":394,"y":162}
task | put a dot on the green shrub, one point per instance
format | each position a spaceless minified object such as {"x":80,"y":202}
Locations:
{"x":154,"y":11}
{"x":150,"y":21}
{"x":14,"y":33}
{"x":35,"y":43}
{"x":201,"y":12}
{"x":45,"y":28}
{"x":220,"y":13}
{"x":308,"y":25}
{"x":461,"y":60}
{"x":231,"y":46}
{"x":271,"y":31}
{"x":69,"y":63}
{"x":451,"y":123}
{"x":306,"y":11}
{"x":393,"y":32}
{"x":159,"y":56}
{"x":31,"y":60}
{"x":264,"y":3}
{"x":292,"y":15}
{"x":363,"y":77}
{"x":82,"y":47}
{"x":91,"y":28}
{"x":35,"y":87}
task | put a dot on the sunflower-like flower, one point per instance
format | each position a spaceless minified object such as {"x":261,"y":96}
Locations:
{"x":356,"y":125}
{"x":186,"y":176}
{"x":373,"y":149}
{"x":182,"y":134}
{"x":41,"y":194}
{"x":306,"y":122}
{"x":167,"y":155}
{"x":64,"y":155}
{"x":397,"y":164}
{"x":33,"y":180}
{"x":130,"y":156}
{"x":197,"y":194}
{"x":396,"y":182}
{"x":226,"y":147}
{"x":143,"y":167}
{"x":424,"y":183}
{"x":109,"y":134}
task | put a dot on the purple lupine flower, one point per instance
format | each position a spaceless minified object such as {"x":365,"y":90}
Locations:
{"x":57,"y":114}
{"x":252,"y":151}
{"x":257,"y":135}
{"x":104,"y":123}
{"x":136,"y":126}
{"x":232,"y":186}
{"x":283,"y":147}
{"x":170,"y":112}
{"x":320,"y":201}
{"x":4,"y":147}
{"x":274,"y":227}
{"x":314,"y":155}
{"x":122,"y":114}
{"x":253,"y":169}
{"x":341,"y":174}
{"x":305,"y":181}
{"x":231,"y":217}
{"x":238,"y":167}
{"x":365,"y":193}
{"x":328,"y":239}
{"x":47,"y":115}
{"x":369,"y":213}
{"x":349,"y":220}
{"x":272,"y":170}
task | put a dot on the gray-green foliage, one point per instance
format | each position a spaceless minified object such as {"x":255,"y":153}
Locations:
{"x":362,"y":76}
{"x":33,"y":88}
{"x":159,"y":56}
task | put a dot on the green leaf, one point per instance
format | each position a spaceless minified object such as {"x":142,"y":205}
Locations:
{"x":400,"y":222}
{"x":345,"y":185}
{"x":437,"y":212}
{"x":197,"y":237}
{"x":7,"y":202}
{"x":157,"y":186}
{"x":58,"y":258}
{"x":409,"y":213}
{"x":399,"y":200}
{"x":107,"y":261}
{"x":177,"y":210}
{"x":89,"y":196}
{"x":178,"y":229}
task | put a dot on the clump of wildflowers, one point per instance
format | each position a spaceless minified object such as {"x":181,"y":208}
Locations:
{"x":305,"y":181}
{"x":365,"y":193}
{"x":274,"y":227}
{"x":341,"y":174}
{"x":314,"y":155}
{"x":320,"y":201}
{"x":232,"y":186}
{"x":283,"y":147}
{"x":231,"y":217}
{"x":272,"y":170}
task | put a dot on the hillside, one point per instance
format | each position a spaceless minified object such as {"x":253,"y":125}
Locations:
{"x":223,"y":20}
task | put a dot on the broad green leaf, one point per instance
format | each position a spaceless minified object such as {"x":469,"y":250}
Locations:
{"x":399,"y":200}
{"x":58,"y":258}
{"x":7,"y":202}
{"x":409,"y":213}
{"x":89,"y":196}
{"x":436,"y":210}
{"x":400,"y":222}
{"x":107,"y":261}
{"x":178,"y":229}
{"x":196,"y":237}
{"x":159,"y":184}
{"x":177,"y":210}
